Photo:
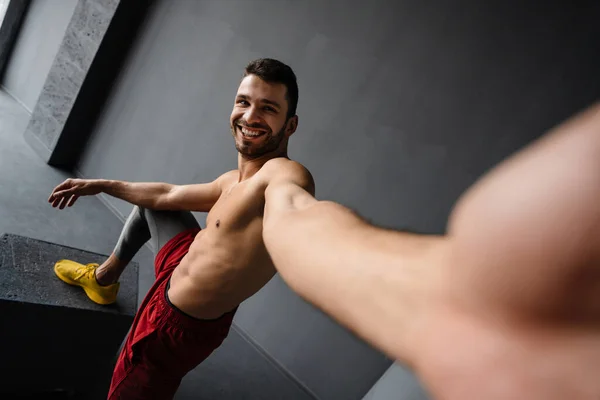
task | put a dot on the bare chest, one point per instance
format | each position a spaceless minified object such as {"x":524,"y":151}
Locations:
{"x":239,"y":205}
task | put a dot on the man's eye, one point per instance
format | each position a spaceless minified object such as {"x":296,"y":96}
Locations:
{"x":243,"y":102}
{"x":269,"y":109}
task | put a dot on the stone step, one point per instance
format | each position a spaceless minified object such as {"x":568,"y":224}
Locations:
{"x":52,"y":337}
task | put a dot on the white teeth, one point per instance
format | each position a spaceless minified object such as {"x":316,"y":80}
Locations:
{"x":250,"y":132}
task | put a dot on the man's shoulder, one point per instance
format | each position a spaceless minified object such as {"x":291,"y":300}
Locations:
{"x":284,"y":169}
{"x":284,"y":166}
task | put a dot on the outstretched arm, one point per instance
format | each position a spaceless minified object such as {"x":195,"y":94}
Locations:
{"x":527,"y":234}
{"x":153,"y":195}
{"x":523,"y":244}
{"x":369,"y":279}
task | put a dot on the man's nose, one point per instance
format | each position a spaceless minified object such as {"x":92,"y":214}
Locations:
{"x":252,"y":115}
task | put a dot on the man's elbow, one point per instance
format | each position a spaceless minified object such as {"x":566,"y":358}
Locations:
{"x":280,"y":223}
{"x":275,"y":227}
{"x":166,"y":197}
{"x":275,"y":218}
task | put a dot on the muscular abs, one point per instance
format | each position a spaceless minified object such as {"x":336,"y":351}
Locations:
{"x":228,"y":261}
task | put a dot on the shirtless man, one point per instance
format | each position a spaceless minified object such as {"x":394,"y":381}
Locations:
{"x":506,"y":305}
{"x":201,"y":275}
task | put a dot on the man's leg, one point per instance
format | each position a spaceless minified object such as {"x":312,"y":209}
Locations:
{"x":142,"y":225}
{"x":136,"y":375}
{"x":100,"y":283}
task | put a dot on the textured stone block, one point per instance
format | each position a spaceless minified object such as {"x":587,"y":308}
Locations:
{"x":83,"y":36}
{"x":52,"y":336}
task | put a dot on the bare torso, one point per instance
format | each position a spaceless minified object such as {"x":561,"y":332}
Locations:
{"x":228,"y":261}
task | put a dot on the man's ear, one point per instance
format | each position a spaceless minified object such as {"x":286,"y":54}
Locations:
{"x":292,"y":125}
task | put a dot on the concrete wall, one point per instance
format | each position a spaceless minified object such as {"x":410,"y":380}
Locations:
{"x":37,"y":44}
{"x":402,"y":106}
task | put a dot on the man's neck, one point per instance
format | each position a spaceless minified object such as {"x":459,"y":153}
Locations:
{"x":248,"y":167}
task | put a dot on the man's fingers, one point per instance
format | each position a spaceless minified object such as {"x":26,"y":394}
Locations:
{"x":64,"y":193}
{"x":72,"y":200}
{"x":53,"y":195}
{"x":63,"y":202}
{"x":60,"y":201}
{"x":60,"y":188}
{"x":63,"y":198}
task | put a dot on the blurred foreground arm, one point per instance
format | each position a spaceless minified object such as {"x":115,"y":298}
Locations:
{"x":369,"y":279}
{"x":506,"y":305}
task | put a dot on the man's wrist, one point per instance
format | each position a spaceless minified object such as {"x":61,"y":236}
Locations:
{"x":103,"y":185}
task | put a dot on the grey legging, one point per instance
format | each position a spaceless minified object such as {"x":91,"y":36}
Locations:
{"x":144,"y":224}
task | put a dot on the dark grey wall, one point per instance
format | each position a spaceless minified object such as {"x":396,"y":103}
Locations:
{"x":12,"y":15}
{"x":37,"y":44}
{"x":402,"y":106}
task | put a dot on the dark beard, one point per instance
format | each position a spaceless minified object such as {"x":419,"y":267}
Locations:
{"x":251,"y":150}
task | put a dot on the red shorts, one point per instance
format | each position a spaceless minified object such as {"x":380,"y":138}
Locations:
{"x":164,"y":344}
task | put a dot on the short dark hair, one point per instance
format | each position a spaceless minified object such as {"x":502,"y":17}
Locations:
{"x":273,"y":71}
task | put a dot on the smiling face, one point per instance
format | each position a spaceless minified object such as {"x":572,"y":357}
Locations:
{"x":259,"y":120}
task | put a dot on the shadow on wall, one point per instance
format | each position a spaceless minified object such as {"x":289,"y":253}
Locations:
{"x":11,"y":19}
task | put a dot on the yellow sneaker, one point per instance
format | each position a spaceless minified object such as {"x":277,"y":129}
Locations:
{"x":85,"y":276}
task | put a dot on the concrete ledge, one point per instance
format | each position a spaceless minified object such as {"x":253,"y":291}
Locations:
{"x":53,"y":336}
